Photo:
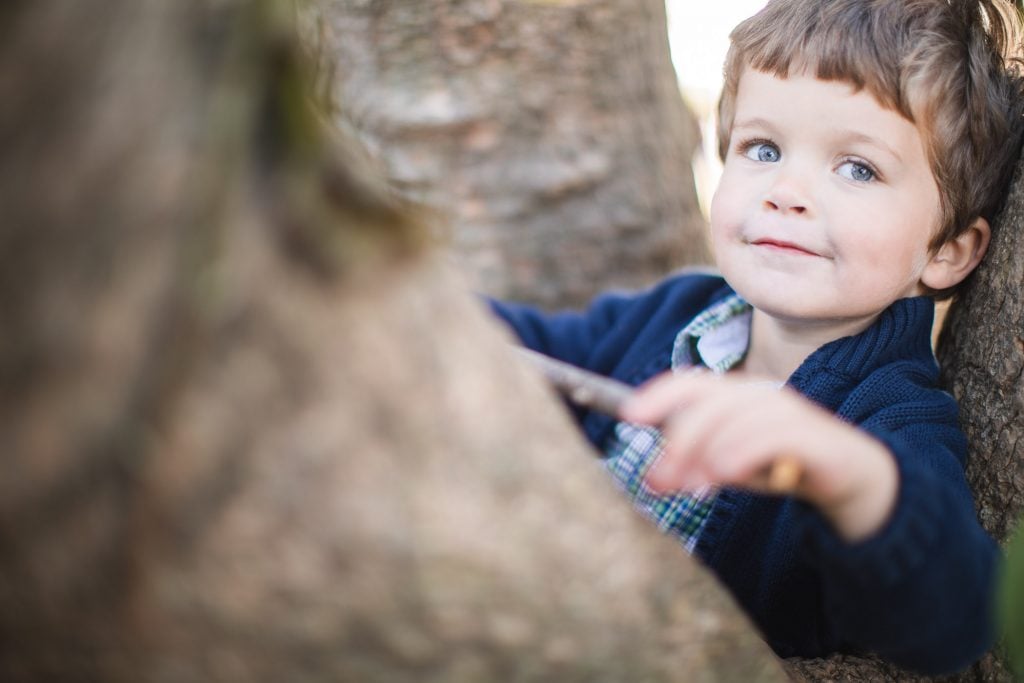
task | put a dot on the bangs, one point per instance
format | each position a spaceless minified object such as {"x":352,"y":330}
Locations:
{"x":833,"y":41}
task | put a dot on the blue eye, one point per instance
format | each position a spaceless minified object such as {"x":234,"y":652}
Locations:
{"x":853,"y":170}
{"x":762,"y":151}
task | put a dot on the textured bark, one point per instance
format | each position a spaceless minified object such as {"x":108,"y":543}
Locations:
{"x":252,"y":431}
{"x":552,"y":134}
{"x":850,"y":669}
{"x":982,"y":354}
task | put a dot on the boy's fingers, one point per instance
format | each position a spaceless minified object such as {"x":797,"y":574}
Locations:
{"x":727,"y":438}
{"x":686,"y":433}
{"x":759,"y":452}
{"x":716,"y":431}
{"x":654,"y":401}
{"x":732,"y":452}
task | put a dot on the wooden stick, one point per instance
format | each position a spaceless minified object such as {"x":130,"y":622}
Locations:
{"x":582,"y":387}
{"x":606,"y":395}
{"x":784,"y":475}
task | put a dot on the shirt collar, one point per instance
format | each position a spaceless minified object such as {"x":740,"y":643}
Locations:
{"x":717,"y":338}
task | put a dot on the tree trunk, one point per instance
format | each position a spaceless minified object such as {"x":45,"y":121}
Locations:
{"x":252,"y":431}
{"x":551,"y":134}
{"x":982,"y":354}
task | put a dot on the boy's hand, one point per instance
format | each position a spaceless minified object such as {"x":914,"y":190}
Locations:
{"x":724,"y":430}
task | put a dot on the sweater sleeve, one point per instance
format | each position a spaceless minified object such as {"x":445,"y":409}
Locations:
{"x":919,"y":591}
{"x":567,"y":335}
{"x":618,"y":331}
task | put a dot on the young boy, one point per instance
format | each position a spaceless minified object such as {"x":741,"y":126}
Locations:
{"x":867,"y":144}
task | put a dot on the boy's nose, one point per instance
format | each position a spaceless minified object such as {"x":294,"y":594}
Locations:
{"x":786,"y":196}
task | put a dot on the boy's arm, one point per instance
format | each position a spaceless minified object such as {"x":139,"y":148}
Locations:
{"x":567,"y":335}
{"x":906,"y":570}
{"x":726,"y":431}
{"x":600,"y":337}
{"x":920,"y":591}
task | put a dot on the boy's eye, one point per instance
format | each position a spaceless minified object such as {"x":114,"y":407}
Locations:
{"x":762,"y":151}
{"x":853,"y":170}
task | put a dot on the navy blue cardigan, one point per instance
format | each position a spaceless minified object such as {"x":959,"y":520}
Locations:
{"x":920,"y":591}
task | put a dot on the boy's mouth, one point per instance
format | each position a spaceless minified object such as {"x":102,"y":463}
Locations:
{"x":783,"y":246}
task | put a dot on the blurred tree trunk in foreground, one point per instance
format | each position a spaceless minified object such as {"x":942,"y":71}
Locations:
{"x":252,"y":431}
{"x":552,"y":134}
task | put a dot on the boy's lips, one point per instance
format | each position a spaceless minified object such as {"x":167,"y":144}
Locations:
{"x":783,"y":246}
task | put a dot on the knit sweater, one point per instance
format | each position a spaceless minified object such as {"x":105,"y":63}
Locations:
{"x":919,"y":591}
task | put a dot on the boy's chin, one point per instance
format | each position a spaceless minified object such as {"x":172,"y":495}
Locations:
{"x":787,"y":296}
{"x":809,"y":314}
{"x":798,"y":303}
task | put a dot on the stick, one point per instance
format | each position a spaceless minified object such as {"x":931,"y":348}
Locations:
{"x":606,"y":395}
{"x":784,"y":475}
{"x":582,"y":387}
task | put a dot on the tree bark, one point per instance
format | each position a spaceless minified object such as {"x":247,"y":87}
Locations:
{"x":982,"y":354}
{"x":981,"y":350}
{"x":551,"y":135}
{"x":252,"y":430}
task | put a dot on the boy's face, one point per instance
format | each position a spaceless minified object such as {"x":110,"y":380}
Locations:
{"x":826,"y":204}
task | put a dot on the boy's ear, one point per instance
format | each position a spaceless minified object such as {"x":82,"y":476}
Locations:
{"x":955,"y":259}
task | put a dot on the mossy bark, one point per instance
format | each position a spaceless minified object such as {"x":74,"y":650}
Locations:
{"x":252,"y":430}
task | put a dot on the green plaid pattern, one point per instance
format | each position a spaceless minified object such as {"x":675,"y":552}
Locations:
{"x":635,"y":447}
{"x":730,"y":312}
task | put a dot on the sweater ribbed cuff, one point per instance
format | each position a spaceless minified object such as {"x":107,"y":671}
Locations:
{"x":898,"y":550}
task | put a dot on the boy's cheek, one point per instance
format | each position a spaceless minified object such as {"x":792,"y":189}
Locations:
{"x":731,"y":196}
{"x":720,"y":212}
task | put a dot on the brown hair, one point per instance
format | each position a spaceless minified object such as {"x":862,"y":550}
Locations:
{"x":949,"y":66}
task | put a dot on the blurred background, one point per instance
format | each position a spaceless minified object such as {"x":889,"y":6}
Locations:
{"x":566,"y":147}
{"x":698,"y":34}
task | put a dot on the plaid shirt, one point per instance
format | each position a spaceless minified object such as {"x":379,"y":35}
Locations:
{"x":716,"y":339}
